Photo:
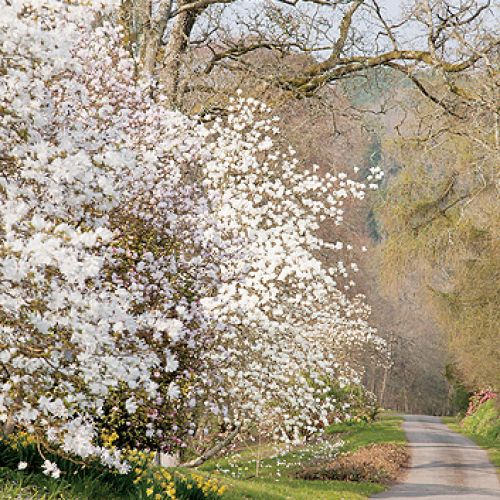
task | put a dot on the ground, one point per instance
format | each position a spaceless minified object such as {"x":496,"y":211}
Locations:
{"x":444,"y":465}
{"x":277,"y":474}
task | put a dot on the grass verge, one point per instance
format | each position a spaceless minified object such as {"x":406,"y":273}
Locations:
{"x":262,"y":473}
{"x":92,"y":481}
{"x":254,"y":473}
{"x":488,"y":443}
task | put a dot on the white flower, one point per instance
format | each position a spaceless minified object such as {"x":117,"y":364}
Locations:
{"x":131,"y":406}
{"x":51,"y":469}
{"x":173,"y":391}
{"x":5,"y":355}
{"x":22,"y":465}
{"x":231,"y":277}
{"x":171,"y":363}
{"x":265,"y":145}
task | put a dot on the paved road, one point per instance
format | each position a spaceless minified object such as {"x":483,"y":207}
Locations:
{"x":444,"y":465}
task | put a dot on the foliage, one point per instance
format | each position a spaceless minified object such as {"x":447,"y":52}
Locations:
{"x":458,"y":395}
{"x":20,"y":459}
{"x":17,"y":485}
{"x":477,"y":399}
{"x":484,"y":422}
{"x":359,"y":402}
{"x":440,"y":218}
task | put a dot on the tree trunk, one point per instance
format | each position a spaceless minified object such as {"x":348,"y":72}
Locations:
{"x":178,"y":42}
{"x":382,"y":389}
{"x":213,"y":451}
{"x":153,"y":33}
{"x":374,"y":377}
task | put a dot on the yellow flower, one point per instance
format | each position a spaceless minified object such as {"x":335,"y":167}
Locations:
{"x":149,"y":492}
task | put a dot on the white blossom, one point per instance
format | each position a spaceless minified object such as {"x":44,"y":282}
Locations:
{"x":50,"y":469}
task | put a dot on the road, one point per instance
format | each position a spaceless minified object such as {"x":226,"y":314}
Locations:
{"x":443,"y":465}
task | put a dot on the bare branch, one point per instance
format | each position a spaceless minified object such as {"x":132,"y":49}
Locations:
{"x":213,"y":451}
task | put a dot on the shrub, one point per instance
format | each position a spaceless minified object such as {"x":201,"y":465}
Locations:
{"x":477,"y":399}
{"x":485,"y":421}
{"x":359,"y":405}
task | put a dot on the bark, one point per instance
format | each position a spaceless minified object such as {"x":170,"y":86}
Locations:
{"x":374,"y":376}
{"x":213,"y":451}
{"x":382,"y":390}
{"x":341,"y":62}
{"x":153,"y":33}
{"x":176,"y":47}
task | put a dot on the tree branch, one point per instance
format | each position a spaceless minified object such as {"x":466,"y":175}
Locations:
{"x":213,"y":451}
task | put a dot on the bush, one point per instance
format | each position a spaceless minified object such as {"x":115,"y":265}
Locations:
{"x":361,"y":404}
{"x":484,"y":422}
{"x":477,"y":399}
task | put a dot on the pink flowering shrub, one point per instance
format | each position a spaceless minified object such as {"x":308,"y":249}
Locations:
{"x":479,"y":398}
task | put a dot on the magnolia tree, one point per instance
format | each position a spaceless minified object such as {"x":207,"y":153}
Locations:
{"x":154,"y":270}
{"x":286,"y":321}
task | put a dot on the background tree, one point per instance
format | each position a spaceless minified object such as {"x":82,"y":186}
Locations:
{"x":441,"y":216}
{"x":339,"y":39}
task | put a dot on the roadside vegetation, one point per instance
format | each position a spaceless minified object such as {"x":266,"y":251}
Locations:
{"x":229,"y":235}
{"x":482,"y":426}
{"x":22,"y":460}
{"x":265,"y":472}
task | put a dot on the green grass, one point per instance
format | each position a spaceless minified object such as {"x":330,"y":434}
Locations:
{"x":387,"y":429}
{"x":91,"y":481}
{"x":19,"y":485}
{"x":262,"y":489}
{"x":483,"y":427}
{"x":276,"y":480}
